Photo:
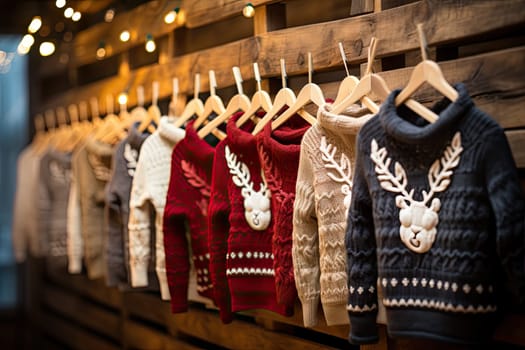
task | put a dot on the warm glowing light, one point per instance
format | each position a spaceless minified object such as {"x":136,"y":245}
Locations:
{"x":125,"y":36}
{"x":76,"y":16}
{"x":110,"y":14}
{"x":171,"y":16}
{"x":123,"y":98}
{"x":47,"y":48}
{"x":60,"y":3}
{"x":248,"y":11}
{"x":23,"y":50}
{"x":68,"y":12}
{"x":35,"y":25}
{"x":27,"y":40}
{"x":150,"y":44}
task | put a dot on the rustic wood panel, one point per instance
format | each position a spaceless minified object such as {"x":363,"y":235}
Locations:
{"x":141,"y":337}
{"x":294,"y":43}
{"x":73,"y":337}
{"x":360,"y":7}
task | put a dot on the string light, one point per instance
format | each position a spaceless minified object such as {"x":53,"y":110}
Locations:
{"x":68,"y":12}
{"x":110,"y":14}
{"x":122,"y":98}
{"x":25,"y":44}
{"x":35,"y":25}
{"x":171,"y":16}
{"x":248,"y":11}
{"x":76,"y":16}
{"x":101,"y":51}
{"x":60,"y":3}
{"x":150,"y":43}
{"x":125,"y":36}
{"x":47,"y":48}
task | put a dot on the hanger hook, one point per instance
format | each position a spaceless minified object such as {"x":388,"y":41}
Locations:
{"x":310,"y":67}
{"x":283,"y":72}
{"x":197,"y":86}
{"x":343,"y":56}
{"x":95,"y":113}
{"x":423,"y":44}
{"x":371,"y":55}
{"x":155,"y":93}
{"x":213,"y":82}
{"x":257,"y":75}
{"x":109,"y":104}
{"x":238,"y":79}
{"x":140,"y":96}
{"x":174,"y":89}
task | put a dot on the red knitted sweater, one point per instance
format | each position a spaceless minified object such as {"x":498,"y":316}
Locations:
{"x":240,"y":228}
{"x":187,"y":201}
{"x":279,"y":155}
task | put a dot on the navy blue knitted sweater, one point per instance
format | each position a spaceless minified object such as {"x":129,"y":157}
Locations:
{"x":437,"y":223}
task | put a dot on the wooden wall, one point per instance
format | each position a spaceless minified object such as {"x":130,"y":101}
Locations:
{"x":478,"y":42}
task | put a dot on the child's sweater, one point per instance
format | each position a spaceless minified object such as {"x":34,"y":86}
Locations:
{"x":279,"y":156}
{"x":149,"y":187}
{"x":187,"y":206}
{"x":437,"y":221}
{"x":240,"y":228}
{"x":324,"y":187}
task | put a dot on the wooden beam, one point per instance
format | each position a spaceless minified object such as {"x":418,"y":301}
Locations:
{"x":139,"y":336}
{"x":359,"y":7}
{"x":294,"y":43}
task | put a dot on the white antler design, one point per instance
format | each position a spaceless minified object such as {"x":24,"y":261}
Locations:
{"x":418,"y":222}
{"x":341,"y":171}
{"x":256,"y":203}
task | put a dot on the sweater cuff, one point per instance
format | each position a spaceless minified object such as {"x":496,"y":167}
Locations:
{"x":163,"y":282}
{"x":310,"y":310}
{"x":75,"y":264}
{"x":335,"y":314}
{"x":363,"y":329}
{"x":139,"y":275}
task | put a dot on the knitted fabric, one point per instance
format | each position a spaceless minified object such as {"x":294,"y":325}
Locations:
{"x":150,"y":185}
{"x":187,"y":204}
{"x":25,"y":233}
{"x":54,"y":182}
{"x":437,"y":221}
{"x":324,"y":186}
{"x":240,"y":228}
{"x":117,"y":207}
{"x":91,"y":168}
{"x":279,"y":156}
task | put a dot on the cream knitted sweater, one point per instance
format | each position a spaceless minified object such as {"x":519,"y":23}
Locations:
{"x":150,"y":185}
{"x":323,"y":192}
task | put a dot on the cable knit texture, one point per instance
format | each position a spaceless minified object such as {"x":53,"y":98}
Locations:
{"x":187,"y":204}
{"x":279,"y":156}
{"x":437,"y":221}
{"x":91,"y":168}
{"x":117,"y":208}
{"x":324,"y":186}
{"x":240,"y":229}
{"x":54,"y":182}
{"x":75,"y":245}
{"x":150,"y":186}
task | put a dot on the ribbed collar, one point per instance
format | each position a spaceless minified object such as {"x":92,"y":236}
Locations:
{"x":240,"y":136}
{"x":405,"y":126}
{"x":135,"y":137}
{"x":99,"y":148}
{"x":198,"y":149}
{"x":352,"y":119}
{"x":169,"y":132}
{"x":285,"y":141}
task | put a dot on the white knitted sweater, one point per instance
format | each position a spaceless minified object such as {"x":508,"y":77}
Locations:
{"x":323,"y":193}
{"x":150,"y":185}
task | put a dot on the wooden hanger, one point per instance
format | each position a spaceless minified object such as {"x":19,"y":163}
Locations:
{"x":111,"y":130}
{"x":83,"y":125}
{"x":429,"y":72}
{"x":95,"y":111}
{"x":153,"y":115}
{"x":260,"y":100}
{"x":239,"y":102}
{"x":174,"y":108}
{"x":310,"y":93}
{"x":213,"y":103}
{"x":285,"y":98}
{"x":194,"y":107}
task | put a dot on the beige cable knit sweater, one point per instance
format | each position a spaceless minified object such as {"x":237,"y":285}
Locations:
{"x":150,"y":185}
{"x":323,"y":193}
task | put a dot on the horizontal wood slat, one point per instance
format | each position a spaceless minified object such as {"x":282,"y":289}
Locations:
{"x":442,"y":18}
{"x":138,"y":336}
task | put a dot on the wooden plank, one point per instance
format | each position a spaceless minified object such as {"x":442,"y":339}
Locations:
{"x":511,"y":330}
{"x":517,"y":144}
{"x":141,"y":337}
{"x":477,"y":17}
{"x":85,"y":313}
{"x":491,"y":79}
{"x":198,"y":12}
{"x":269,"y":18}
{"x":147,"y":306}
{"x":74,"y":337}
{"x":360,"y":7}
{"x":93,"y":289}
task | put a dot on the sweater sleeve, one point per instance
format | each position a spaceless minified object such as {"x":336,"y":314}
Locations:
{"x":139,"y":224}
{"x":19,"y":235}
{"x":44,"y":207}
{"x":305,"y":246}
{"x":74,"y":232}
{"x":508,"y":205}
{"x":218,"y":230}
{"x":361,"y":256}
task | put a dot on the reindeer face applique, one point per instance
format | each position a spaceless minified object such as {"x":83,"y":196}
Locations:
{"x":256,"y":203}
{"x":418,"y":227}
